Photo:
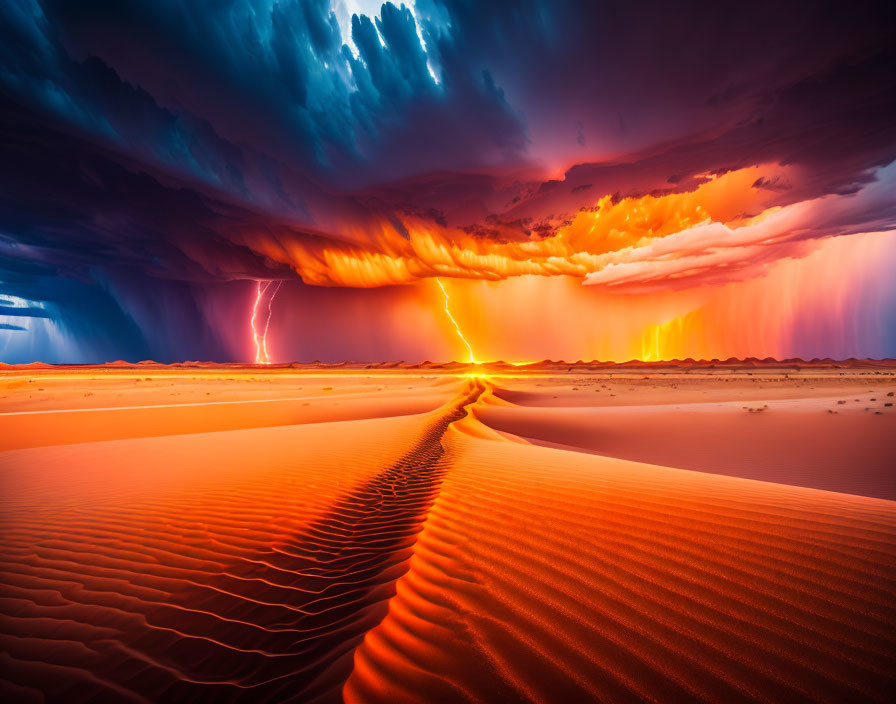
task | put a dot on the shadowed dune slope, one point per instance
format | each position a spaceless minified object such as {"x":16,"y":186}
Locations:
{"x":550,"y":576}
{"x":248,"y":573}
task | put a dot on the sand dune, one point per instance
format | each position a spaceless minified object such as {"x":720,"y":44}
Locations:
{"x":551,"y":577}
{"x":63,"y":409}
{"x":801,"y":442}
{"x":29,"y":428}
{"x":429,"y":553}
{"x":237,"y":566}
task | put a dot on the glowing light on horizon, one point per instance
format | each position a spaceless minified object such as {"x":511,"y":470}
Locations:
{"x":261,"y":338}
{"x":677,"y":338}
{"x":453,"y":321}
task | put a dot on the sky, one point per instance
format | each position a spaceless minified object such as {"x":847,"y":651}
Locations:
{"x":250,"y":180}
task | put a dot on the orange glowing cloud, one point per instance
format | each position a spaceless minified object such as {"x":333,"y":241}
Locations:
{"x":726,"y":224}
{"x":714,"y":251}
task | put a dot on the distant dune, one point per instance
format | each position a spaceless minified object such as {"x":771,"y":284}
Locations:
{"x":542,"y":365}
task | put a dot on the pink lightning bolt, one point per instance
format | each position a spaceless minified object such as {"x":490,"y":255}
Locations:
{"x":261,"y":338}
{"x":264,"y":335}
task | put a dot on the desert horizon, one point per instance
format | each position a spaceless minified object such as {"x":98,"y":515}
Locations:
{"x":770,"y":362}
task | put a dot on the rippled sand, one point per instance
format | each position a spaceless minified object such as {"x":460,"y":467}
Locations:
{"x":419,"y":535}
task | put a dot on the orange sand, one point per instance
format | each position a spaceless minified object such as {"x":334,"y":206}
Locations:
{"x":400,"y":539}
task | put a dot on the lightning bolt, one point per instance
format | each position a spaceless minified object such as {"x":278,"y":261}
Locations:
{"x":264,"y":335}
{"x":451,"y":318}
{"x":261,"y":338}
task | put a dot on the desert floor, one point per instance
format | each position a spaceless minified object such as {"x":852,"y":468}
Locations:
{"x":448,"y":533}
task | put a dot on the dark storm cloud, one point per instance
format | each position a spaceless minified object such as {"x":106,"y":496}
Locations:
{"x":68,"y":202}
{"x":276,"y":79}
{"x":703,"y":89}
{"x":262,"y":104}
{"x":837,"y":126}
{"x":144,"y":141}
{"x":664,"y":70}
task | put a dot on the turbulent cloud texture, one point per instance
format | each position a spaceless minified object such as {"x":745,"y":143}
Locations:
{"x":156,"y":155}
